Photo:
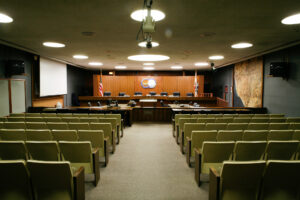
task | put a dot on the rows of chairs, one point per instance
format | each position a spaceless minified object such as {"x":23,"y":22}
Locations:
{"x":79,"y":154}
{"x":199,"y":137}
{"x":274,"y":179}
{"x":32,"y":180}
{"x":213,"y":154}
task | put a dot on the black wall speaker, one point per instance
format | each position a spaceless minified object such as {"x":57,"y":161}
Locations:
{"x":279,"y":69}
{"x":14,"y":67}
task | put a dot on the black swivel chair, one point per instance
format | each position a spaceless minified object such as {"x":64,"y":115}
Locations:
{"x":152,"y":93}
{"x":121,"y":94}
{"x":190,"y":94}
{"x":107,"y":94}
{"x":163,"y":94}
{"x":138,"y":93}
{"x":176,"y":94}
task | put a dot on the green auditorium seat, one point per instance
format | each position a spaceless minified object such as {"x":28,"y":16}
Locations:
{"x":17,"y":114}
{"x":56,"y":180}
{"x":52,"y":119}
{"x":48,"y":115}
{"x":187,"y":132}
{"x":199,"y":115}
{"x":13,"y":150}
{"x":88,"y":119}
{"x":113,"y":123}
{"x":255,"y":135}
{"x":34,"y":119}
{"x":196,"y":141}
{"x":206,"y":120}
{"x":277,"y":120}
{"x":279,"y":126}
{"x":294,"y":126}
{"x":175,"y":122}
{"x":246,"y":115}
{"x":64,"y":135}
{"x":231,"y":115}
{"x":15,"y":183}
{"x":70,"y":119}
{"x":214,"y":115}
{"x":33,"y":115}
{"x":229,"y":135}
{"x":236,"y":180}
{"x":43,"y":150}
{"x":79,"y":126}
{"x":81,"y":154}
{"x":249,"y":150}
{"x":97,"y":115}
{"x":57,"y":125}
{"x":280,"y":135}
{"x":277,"y":115}
{"x":3,"y":119}
{"x":259,"y":120}
{"x":213,"y":155}
{"x":16,"y":119}
{"x":224,"y":120}
{"x":107,"y":130}
{"x":241,"y":120}
{"x":281,"y":180}
{"x":64,"y":115}
{"x":281,"y":150}
{"x":216,"y":126}
{"x":38,"y":135}
{"x":297,"y":155}
{"x":14,"y":125}
{"x":296,"y":135}
{"x":237,"y":126}
{"x":97,"y":140}
{"x":1,"y":125}
{"x":80,"y":115}
{"x":293,"y":119}
{"x":261,"y":115}
{"x":258,"y":126}
{"x":13,"y":134}
{"x":36,"y":125}
{"x":119,"y":121}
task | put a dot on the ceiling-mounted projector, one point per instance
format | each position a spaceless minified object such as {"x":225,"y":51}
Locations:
{"x":149,"y":24}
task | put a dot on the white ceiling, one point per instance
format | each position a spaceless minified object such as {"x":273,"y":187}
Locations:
{"x":199,"y":28}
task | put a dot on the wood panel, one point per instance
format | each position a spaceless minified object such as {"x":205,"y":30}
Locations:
{"x":48,"y":101}
{"x":170,"y":84}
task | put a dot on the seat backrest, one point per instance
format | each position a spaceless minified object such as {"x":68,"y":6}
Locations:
{"x":105,"y":127}
{"x":293,"y":119}
{"x":237,"y":126}
{"x":255,"y":135}
{"x":15,"y":181}
{"x":16,"y":119}
{"x":17,"y":114}
{"x":96,"y":115}
{"x":177,"y":116}
{"x":96,"y":137}
{"x":64,"y":135}
{"x":70,"y":119}
{"x":182,"y":121}
{"x":52,"y":119}
{"x":216,"y":126}
{"x":116,"y":116}
{"x":281,"y":180}
{"x":246,"y":115}
{"x":64,"y":115}
{"x":198,"y":137}
{"x":13,"y":150}
{"x":13,"y":134}
{"x":281,"y":150}
{"x":214,"y":115}
{"x":280,"y":135}
{"x":58,"y":125}
{"x":38,"y":135}
{"x":33,"y":115}
{"x":214,"y":153}
{"x":48,"y":115}
{"x":36,"y":125}
{"x":189,"y":127}
{"x":3,"y":119}
{"x":259,"y":120}
{"x":296,"y":135}
{"x":88,"y":119}
{"x":112,"y":121}
{"x":206,"y":120}
{"x":224,"y":120}
{"x":249,"y":150}
{"x":198,"y":115}
{"x":80,"y":115}
{"x":1,"y":125}
{"x":14,"y":125}
{"x":294,"y":126}
{"x":241,"y":120}
{"x":46,"y":150}
{"x":229,"y":135}
{"x":241,"y":180}
{"x":34,"y":119}
{"x":261,"y":115}
{"x":276,"y":115}
{"x":279,"y":126}
{"x":51,"y":179}
{"x":79,"y":126}
{"x":277,"y":120}
{"x":258,"y":126}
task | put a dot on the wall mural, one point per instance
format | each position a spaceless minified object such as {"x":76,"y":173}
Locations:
{"x":248,"y":80}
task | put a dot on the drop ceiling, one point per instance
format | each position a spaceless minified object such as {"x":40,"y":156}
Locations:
{"x":192,"y":30}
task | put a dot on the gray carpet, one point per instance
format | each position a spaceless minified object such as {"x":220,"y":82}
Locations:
{"x":147,"y":165}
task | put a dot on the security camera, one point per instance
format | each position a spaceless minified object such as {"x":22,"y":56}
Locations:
{"x":212,"y":66}
{"x":149,"y":45}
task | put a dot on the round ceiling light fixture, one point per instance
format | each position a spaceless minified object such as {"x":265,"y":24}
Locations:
{"x":95,"y":63}
{"x":120,"y":67}
{"x":143,"y":44}
{"x":216,"y":57}
{"x":148,"y":57}
{"x":201,"y":64}
{"x":290,"y":20}
{"x":241,"y":45}
{"x":81,"y":57}
{"x":148,"y":68}
{"x":176,"y":67}
{"x":54,"y":44}
{"x":5,"y":18}
{"x":140,"y":15}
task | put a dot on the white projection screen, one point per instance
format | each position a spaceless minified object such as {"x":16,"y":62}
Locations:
{"x":53,"y":78}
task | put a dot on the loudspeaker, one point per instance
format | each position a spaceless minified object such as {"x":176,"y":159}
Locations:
{"x":14,"y":67}
{"x":279,"y":69}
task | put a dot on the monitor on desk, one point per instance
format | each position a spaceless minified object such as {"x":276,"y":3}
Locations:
{"x":176,"y":94}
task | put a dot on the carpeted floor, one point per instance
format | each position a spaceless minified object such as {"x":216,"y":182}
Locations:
{"x":147,"y":165}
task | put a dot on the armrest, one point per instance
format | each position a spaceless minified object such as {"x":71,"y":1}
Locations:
{"x":214,"y":184}
{"x":188,"y":150}
{"x":188,"y":138}
{"x":106,"y":150}
{"x":96,"y":167}
{"x":79,"y":187}
{"x":197,"y":166}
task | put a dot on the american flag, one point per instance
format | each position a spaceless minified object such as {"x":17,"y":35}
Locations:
{"x":196,"y":84}
{"x":101,"y":86}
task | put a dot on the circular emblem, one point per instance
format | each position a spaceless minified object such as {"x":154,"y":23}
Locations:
{"x":148,"y":83}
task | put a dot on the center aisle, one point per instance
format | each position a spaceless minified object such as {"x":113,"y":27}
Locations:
{"x":147,"y":165}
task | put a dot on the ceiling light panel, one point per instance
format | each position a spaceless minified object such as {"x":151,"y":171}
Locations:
{"x":148,"y":57}
{"x":140,"y":15}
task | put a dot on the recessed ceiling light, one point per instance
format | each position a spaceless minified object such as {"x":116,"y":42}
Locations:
{"x":95,"y":63}
{"x":216,"y":57}
{"x":147,"y":64}
{"x":176,"y":67}
{"x":120,"y":67}
{"x":80,"y":57}
{"x":143,"y":44}
{"x":54,"y":44}
{"x":148,"y":68}
{"x":201,"y":64}
{"x":293,"y":19}
{"x":241,"y":45}
{"x":148,"y":57}
{"x":140,"y":15}
{"x":5,"y":19}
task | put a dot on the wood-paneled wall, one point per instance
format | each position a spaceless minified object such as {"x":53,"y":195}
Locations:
{"x":131,"y":84}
